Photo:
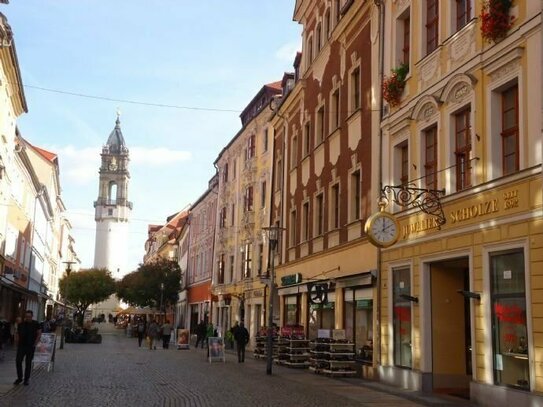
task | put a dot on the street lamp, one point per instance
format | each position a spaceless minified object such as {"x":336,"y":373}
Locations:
{"x":161,"y":298}
{"x":62,"y":333}
{"x":272,"y":233}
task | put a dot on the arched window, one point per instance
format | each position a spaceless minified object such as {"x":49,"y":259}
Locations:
{"x":112,"y":192}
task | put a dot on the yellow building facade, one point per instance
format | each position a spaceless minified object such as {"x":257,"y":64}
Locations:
{"x":462,"y":296}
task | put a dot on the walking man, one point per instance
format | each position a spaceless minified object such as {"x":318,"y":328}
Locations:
{"x":27,"y":337}
{"x":241,"y":335}
{"x":152,"y":333}
{"x":200,"y":333}
{"x":166,"y":329}
{"x":141,"y":330}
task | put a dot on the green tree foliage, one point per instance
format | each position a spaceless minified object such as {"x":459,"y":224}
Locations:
{"x":86,"y":287}
{"x":141,"y":288}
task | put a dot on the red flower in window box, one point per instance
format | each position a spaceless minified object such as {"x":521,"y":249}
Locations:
{"x":495,"y":19}
{"x":394,"y":85}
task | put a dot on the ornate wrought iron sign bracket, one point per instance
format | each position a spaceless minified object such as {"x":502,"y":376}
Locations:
{"x":427,"y":200}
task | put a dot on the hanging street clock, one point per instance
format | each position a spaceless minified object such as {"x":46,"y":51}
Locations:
{"x":382,"y":228}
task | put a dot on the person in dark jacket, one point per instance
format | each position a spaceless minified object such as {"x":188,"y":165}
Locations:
{"x":27,"y":337}
{"x":201,"y":330}
{"x":241,"y":335}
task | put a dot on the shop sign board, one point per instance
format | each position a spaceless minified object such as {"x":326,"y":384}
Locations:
{"x":291,"y":279}
{"x":183,"y":336}
{"x":292,"y":331}
{"x":45,"y":349}
{"x":216,"y":349}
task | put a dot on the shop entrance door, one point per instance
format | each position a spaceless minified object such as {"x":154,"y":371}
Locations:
{"x":451,"y":333}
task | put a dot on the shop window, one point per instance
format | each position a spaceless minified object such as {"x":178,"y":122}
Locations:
{"x":430,"y":157}
{"x":462,"y":150}
{"x":359,"y":321}
{"x":432,"y":25}
{"x":510,"y":130}
{"x":321,"y":316}
{"x":401,"y":285}
{"x":292,"y":310}
{"x":509,"y":334}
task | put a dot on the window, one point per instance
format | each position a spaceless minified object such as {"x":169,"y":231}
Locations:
{"x":307,"y":138}
{"x":463,"y":13}
{"x":265,"y":141}
{"x":233,"y":214}
{"x":355,"y":195}
{"x":404,"y":36}
{"x":110,"y":212}
{"x":320,"y":125}
{"x":234,"y":169}
{"x":510,"y":130}
{"x":327,"y":22}
{"x":220,"y":276}
{"x":231,"y":272}
{"x":319,"y":215}
{"x":318,"y":34}
{"x":305,"y":222}
{"x":404,"y":163}
{"x":430,"y":157}
{"x":335,"y":206}
{"x":251,"y":147}
{"x":358,"y":321}
{"x":260,"y":258}
{"x":294,"y":152}
{"x":463,"y":149}
{"x":293,"y":221}
{"x":401,"y":283}
{"x":432,"y":24}
{"x":355,"y":89}
{"x":337,"y":10}
{"x":247,"y":263}
{"x":292,"y":309}
{"x":278,"y":174}
{"x":321,"y":316}
{"x":509,"y":333}
{"x":222,"y":219}
{"x":334,"y":111}
{"x":263,"y":194}
{"x":309,"y":50}
{"x":225,"y":173}
{"x":248,"y":199}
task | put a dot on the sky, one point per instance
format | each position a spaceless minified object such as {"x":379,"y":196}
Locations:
{"x":210,"y":54}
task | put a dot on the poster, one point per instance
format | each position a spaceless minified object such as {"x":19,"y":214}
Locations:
{"x":183,"y":336}
{"x":216,"y":349}
{"x":45,"y":348}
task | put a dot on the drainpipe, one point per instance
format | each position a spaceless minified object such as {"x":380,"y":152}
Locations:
{"x":380,"y":4}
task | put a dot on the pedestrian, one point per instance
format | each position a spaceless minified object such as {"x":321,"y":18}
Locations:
{"x":200,"y":333}
{"x":141,"y":330}
{"x":152,"y":333}
{"x":166,"y":329}
{"x":241,"y":335}
{"x":210,"y":331}
{"x":27,"y":337}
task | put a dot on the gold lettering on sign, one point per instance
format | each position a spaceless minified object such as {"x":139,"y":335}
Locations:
{"x":483,"y":208}
{"x":510,"y":199}
{"x":419,"y":226}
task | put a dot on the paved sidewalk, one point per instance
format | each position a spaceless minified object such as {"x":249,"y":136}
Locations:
{"x":118,"y":373}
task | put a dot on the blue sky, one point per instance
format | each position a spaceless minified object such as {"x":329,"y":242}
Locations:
{"x":208,"y":53}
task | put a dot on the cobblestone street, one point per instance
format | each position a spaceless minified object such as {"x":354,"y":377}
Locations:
{"x":118,"y":373}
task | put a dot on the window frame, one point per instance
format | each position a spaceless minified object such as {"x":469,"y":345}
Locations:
{"x":319,"y":214}
{"x":431,"y":24}
{"x":463,"y":178}
{"x":428,"y":163}
{"x":511,"y":131}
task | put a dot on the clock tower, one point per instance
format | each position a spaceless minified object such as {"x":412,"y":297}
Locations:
{"x":112,"y":208}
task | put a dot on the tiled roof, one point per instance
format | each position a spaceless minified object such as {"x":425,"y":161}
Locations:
{"x":48,"y":155}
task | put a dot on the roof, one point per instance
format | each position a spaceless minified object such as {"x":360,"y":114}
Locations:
{"x":48,"y":155}
{"x":274,"y":85}
{"x":115,"y":141}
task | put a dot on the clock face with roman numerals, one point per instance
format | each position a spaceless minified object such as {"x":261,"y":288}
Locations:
{"x":383,"y":229}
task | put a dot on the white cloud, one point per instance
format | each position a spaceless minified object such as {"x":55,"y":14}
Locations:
{"x":80,"y":165}
{"x":288,"y":51}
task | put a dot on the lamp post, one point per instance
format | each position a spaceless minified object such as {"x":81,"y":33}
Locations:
{"x":161,"y":298}
{"x":272,"y":233}
{"x":68,"y":271}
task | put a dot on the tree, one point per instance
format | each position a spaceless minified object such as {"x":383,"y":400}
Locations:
{"x":141,"y":288}
{"x":86,"y":287}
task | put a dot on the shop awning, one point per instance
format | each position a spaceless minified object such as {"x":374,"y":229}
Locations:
{"x":357,"y":280}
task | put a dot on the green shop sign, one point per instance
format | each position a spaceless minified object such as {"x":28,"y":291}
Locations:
{"x":291,"y":279}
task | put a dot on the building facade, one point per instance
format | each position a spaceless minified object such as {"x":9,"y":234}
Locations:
{"x":322,"y":187}
{"x":241,"y":254}
{"x":461,"y":291}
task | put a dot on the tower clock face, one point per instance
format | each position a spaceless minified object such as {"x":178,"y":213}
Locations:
{"x":113,"y":165}
{"x":383,"y":229}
